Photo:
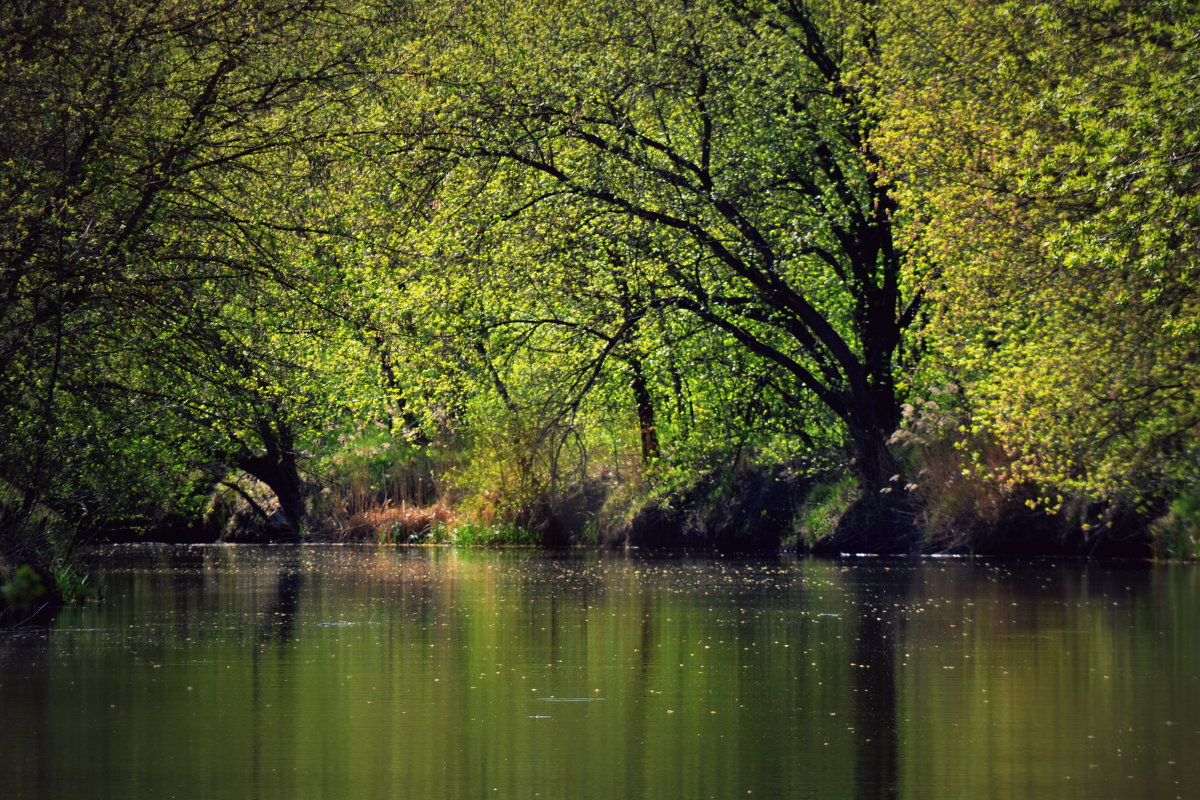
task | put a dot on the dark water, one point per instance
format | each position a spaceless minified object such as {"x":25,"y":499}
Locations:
{"x":419,"y":673}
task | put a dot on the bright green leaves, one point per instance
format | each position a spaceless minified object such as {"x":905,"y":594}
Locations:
{"x":1047,"y":155}
{"x":675,"y":161}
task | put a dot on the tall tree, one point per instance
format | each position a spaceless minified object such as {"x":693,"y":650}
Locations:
{"x":154,"y":285}
{"x":1051,"y":155}
{"x":731,"y":138}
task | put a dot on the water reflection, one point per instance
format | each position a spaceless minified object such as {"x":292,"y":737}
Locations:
{"x":312,"y":672}
{"x":881,"y":595}
{"x":279,"y":618}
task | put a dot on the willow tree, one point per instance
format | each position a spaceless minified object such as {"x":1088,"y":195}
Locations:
{"x":731,"y":139}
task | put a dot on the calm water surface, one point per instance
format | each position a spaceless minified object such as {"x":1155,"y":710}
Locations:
{"x":348,"y":672}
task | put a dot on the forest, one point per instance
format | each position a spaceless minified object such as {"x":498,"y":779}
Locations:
{"x":867,"y":276}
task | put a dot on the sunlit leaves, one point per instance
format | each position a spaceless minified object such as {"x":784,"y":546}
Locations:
{"x":636,"y":168}
{"x":162,"y":289}
{"x":1047,"y":155}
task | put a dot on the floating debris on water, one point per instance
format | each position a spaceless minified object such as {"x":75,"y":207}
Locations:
{"x":570,"y":699}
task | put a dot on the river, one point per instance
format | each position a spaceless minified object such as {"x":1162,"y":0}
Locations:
{"x":433,"y":673}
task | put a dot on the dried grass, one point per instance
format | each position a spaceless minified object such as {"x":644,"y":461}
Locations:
{"x":396,"y":523}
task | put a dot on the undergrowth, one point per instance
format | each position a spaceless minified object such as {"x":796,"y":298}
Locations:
{"x":823,"y":508}
{"x":1176,"y":535}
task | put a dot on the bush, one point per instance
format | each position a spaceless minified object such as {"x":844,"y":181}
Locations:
{"x":544,"y":479}
{"x":751,"y":508}
{"x":26,"y":595}
{"x":1176,"y":534}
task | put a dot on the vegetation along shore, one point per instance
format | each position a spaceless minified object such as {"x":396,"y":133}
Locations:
{"x":885,"y":276}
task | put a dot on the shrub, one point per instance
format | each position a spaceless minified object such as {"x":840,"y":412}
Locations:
{"x":823,"y":509}
{"x":1176,"y":534}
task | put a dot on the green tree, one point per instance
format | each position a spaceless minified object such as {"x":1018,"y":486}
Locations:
{"x":724,"y":154}
{"x":1048,"y":155}
{"x":162,"y":288}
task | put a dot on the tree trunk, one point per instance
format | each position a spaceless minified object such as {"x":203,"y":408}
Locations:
{"x":874,"y":463}
{"x":647,"y":423}
{"x":282,"y":478}
{"x":277,"y":469}
{"x":882,"y":519}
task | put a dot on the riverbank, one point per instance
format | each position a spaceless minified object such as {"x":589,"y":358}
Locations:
{"x":763,"y":510}
{"x":772,"y":508}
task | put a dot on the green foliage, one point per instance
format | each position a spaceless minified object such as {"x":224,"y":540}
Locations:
{"x":673,"y":191}
{"x":164,"y":292}
{"x":518,"y":468}
{"x":1046,"y":154}
{"x":24,"y":589}
{"x":537,"y":261}
{"x":824,"y":507}
{"x":1177,"y":533}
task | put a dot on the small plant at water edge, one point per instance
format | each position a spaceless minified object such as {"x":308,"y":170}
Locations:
{"x":1176,"y":535}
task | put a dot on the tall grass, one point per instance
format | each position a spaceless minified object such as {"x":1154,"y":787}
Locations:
{"x":383,"y":489}
{"x":377,"y":487}
{"x":954,"y":477}
{"x":398,"y":524}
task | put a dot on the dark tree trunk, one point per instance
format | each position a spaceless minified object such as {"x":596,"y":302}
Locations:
{"x":647,"y":424}
{"x":882,"y":520}
{"x":282,"y":478}
{"x":277,"y":469}
{"x":874,"y":463}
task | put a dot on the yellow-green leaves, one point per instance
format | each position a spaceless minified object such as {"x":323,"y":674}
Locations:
{"x":1047,"y":157}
